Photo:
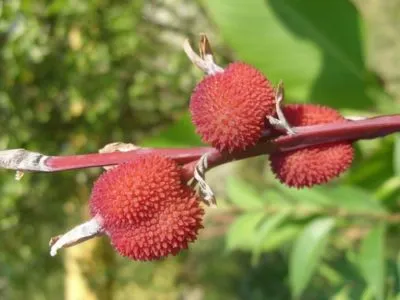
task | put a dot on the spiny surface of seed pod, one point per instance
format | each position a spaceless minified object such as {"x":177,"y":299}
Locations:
{"x":229,"y":108}
{"x":312,"y":165}
{"x":170,"y":232}
{"x":146,"y":208}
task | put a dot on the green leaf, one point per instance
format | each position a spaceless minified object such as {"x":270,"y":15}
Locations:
{"x":374,"y":164}
{"x":269,"y":225}
{"x":352,"y":198}
{"x":276,"y":199}
{"x":179,"y":134}
{"x":396,"y":156}
{"x":398,"y":268}
{"x":372,"y":260}
{"x":243,"y":194}
{"x":307,"y":253}
{"x":342,"y":294}
{"x":280,"y":236}
{"x":303,"y":43}
{"x":306,"y":197}
{"x":388,"y":189}
{"x":367,"y":294}
{"x":242,"y":233}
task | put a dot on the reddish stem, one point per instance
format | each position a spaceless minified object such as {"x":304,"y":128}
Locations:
{"x":70,"y":162}
{"x":335,"y":132}
{"x":305,"y":136}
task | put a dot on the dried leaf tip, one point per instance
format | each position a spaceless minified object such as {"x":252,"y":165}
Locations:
{"x":204,"y":61}
{"x":76,"y":235}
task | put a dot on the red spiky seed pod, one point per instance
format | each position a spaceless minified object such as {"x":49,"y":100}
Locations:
{"x":146,"y":208}
{"x":229,"y":108}
{"x":312,"y":165}
{"x":170,"y":233}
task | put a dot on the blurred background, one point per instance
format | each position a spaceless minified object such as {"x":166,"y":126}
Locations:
{"x":76,"y":75}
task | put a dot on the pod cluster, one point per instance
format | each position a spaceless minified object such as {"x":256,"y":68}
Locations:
{"x":146,"y":208}
{"x":229,"y":110}
{"x":316,"y":164}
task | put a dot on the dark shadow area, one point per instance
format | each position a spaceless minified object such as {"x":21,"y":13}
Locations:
{"x":334,"y":26}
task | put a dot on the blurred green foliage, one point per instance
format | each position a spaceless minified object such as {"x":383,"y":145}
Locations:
{"x":75,"y":75}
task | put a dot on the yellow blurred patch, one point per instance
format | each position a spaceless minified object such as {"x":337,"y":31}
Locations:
{"x":76,"y":108}
{"x":75,"y":38}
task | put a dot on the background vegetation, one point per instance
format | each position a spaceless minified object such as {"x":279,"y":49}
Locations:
{"x":75,"y":75}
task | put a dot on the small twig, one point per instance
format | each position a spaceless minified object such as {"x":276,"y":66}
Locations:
{"x":21,"y":159}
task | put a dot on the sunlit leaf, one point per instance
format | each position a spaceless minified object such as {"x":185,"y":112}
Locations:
{"x":374,"y":166}
{"x":372,"y":260}
{"x":314,"y":197}
{"x":281,"y":236}
{"x":398,"y":267}
{"x":388,"y":189}
{"x":242,"y":233}
{"x":242,"y":194}
{"x":303,"y":43}
{"x":307,"y":253}
{"x":273,"y":197}
{"x":179,"y":134}
{"x":268,"y":226}
{"x":343,"y":294}
{"x":353,"y":198}
{"x":396,"y":156}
